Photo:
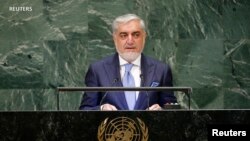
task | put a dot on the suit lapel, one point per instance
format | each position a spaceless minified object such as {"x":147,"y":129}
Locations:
{"x":112,"y":68}
{"x":147,"y":69}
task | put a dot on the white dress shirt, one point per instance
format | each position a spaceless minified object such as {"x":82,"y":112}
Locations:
{"x":135,"y":71}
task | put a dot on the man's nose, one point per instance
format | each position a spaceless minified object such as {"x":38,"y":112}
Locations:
{"x":130,"y":39}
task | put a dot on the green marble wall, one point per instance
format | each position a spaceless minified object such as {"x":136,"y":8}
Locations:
{"x":207,"y":44}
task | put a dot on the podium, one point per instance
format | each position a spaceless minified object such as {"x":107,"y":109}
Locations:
{"x":164,"y":125}
{"x":170,"y":125}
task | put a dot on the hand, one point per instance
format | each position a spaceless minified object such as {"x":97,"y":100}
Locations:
{"x":108,"y":107}
{"x":155,"y":107}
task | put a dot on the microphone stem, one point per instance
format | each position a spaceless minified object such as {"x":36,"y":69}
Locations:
{"x":105,"y":94}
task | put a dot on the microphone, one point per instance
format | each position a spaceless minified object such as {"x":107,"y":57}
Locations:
{"x":143,"y":84}
{"x":115,"y":80}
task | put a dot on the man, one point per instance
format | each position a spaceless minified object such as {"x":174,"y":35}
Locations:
{"x":128,"y":68}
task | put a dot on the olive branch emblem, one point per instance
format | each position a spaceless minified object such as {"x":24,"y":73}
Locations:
{"x":144,"y":130}
{"x":101,"y":130}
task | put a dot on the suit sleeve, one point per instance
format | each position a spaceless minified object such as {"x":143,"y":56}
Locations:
{"x":91,"y":100}
{"x":167,"y":81}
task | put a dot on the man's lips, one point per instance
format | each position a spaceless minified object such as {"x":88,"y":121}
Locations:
{"x":130,"y":47}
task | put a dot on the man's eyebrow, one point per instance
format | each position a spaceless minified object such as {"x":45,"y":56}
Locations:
{"x":123,"y":33}
{"x":136,"y":32}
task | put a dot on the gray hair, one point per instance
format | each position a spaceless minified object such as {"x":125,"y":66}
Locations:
{"x":126,"y":18}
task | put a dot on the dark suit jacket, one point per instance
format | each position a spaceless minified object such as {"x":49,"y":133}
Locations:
{"x":106,"y":72}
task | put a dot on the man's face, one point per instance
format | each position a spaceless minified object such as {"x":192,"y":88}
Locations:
{"x":129,"y":39}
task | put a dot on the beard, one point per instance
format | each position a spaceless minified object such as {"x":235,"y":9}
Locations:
{"x":130,"y":56}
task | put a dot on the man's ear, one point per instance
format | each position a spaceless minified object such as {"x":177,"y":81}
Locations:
{"x":114,"y":37}
{"x":145,"y":35}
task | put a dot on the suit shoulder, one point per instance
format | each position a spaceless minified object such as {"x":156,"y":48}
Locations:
{"x":102,"y":61}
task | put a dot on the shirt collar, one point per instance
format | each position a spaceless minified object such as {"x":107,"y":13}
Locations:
{"x":137,"y":61}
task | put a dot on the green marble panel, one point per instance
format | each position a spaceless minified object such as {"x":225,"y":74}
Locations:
{"x":199,"y":63}
{"x":184,"y":19}
{"x":65,"y":63}
{"x":25,"y":26}
{"x":161,"y":49}
{"x":237,"y":71}
{"x":208,"y":98}
{"x":236,"y":19}
{"x":21,"y":65}
{"x":69,"y":17}
{"x":70,"y":100}
{"x":65,"y":66}
{"x":238,"y":61}
{"x":27,"y":99}
{"x":237,"y":98}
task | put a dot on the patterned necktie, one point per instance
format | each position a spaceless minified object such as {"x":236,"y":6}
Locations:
{"x":128,"y":81}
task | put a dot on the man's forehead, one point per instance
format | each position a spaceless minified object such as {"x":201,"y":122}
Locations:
{"x":129,"y":30}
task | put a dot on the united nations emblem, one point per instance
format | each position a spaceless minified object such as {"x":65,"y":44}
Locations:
{"x":122,"y":129}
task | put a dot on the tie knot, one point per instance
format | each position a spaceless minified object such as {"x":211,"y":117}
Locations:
{"x":128,"y":67}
